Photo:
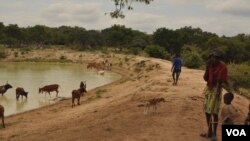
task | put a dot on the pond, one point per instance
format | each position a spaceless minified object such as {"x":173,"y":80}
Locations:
{"x":32,"y":76}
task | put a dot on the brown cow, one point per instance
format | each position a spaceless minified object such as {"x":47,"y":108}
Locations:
{"x":2,"y":114}
{"x":49,"y":88}
{"x":20,"y":91}
{"x":91,"y":65}
{"x":76,"y":94}
{"x":4,"y":88}
{"x":97,"y":66}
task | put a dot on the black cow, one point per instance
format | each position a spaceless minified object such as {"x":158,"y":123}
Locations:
{"x":4,"y":88}
{"x":20,"y":91}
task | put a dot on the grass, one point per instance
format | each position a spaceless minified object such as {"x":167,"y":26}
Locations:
{"x":245,"y":92}
{"x":100,"y":92}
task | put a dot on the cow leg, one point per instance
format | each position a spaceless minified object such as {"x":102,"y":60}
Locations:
{"x":56,"y":93}
{"x":3,"y":120}
{"x":78,"y":101}
{"x":17,"y":96}
{"x":73,"y":104}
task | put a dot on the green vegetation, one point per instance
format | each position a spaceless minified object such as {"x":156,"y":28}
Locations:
{"x":3,"y":53}
{"x":100,"y":92}
{"x":156,"y":51}
{"x":240,"y":74}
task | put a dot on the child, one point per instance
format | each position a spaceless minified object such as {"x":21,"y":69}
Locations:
{"x":247,"y":121}
{"x":229,"y":114}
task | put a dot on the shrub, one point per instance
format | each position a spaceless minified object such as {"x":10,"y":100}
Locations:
{"x":240,"y":74}
{"x":3,"y":53}
{"x":156,"y":51}
{"x":192,"y":59}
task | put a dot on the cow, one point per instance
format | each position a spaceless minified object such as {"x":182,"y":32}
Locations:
{"x":49,"y":88}
{"x":91,"y":65}
{"x":97,"y":66}
{"x":20,"y":91}
{"x":2,"y":114}
{"x":76,"y":94}
{"x":4,"y":88}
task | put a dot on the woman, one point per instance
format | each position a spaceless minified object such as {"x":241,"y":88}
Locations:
{"x":217,"y":77}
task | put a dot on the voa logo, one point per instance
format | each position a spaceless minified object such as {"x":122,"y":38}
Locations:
{"x":236,"y":132}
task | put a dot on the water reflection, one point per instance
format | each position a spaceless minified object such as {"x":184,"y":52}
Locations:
{"x":20,"y":104}
{"x":3,"y":99}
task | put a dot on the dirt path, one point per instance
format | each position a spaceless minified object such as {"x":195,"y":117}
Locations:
{"x":115,"y":115}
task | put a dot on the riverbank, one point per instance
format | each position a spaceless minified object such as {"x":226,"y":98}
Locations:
{"x":111,"y":112}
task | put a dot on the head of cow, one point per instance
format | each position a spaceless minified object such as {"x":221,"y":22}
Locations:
{"x":24,"y":94}
{"x":40,"y":90}
{"x":7,"y":86}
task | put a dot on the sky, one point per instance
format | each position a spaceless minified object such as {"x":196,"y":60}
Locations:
{"x":223,"y":17}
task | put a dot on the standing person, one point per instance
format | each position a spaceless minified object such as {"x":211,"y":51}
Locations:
{"x":176,"y":68}
{"x":216,"y":77}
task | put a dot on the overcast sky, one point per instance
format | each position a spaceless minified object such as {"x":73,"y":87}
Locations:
{"x":223,"y":17}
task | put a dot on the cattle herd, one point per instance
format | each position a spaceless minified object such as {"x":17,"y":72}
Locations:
{"x":103,"y":65}
{"x":76,"y":94}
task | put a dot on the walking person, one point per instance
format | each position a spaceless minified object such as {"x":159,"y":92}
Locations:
{"x":176,"y":68}
{"x":216,"y":76}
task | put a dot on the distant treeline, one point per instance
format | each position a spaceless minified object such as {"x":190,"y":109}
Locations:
{"x":191,"y":43}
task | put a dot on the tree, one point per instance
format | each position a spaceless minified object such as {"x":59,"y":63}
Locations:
{"x":1,"y":32}
{"x":13,"y":35}
{"x":118,"y":35}
{"x":39,"y":34}
{"x":169,"y":39}
{"x":121,"y":4}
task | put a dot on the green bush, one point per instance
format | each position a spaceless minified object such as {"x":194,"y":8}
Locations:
{"x":156,"y":51}
{"x":3,"y":53}
{"x":240,"y":74}
{"x":192,"y":59}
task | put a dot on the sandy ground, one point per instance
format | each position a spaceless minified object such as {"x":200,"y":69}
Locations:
{"x":115,"y":115}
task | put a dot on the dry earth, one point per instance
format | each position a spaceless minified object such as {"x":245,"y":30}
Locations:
{"x":115,"y":115}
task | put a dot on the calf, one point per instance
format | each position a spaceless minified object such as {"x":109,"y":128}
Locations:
{"x":20,"y":91}
{"x":49,"y":88}
{"x":2,"y":114}
{"x":4,"y":88}
{"x":76,"y":94}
